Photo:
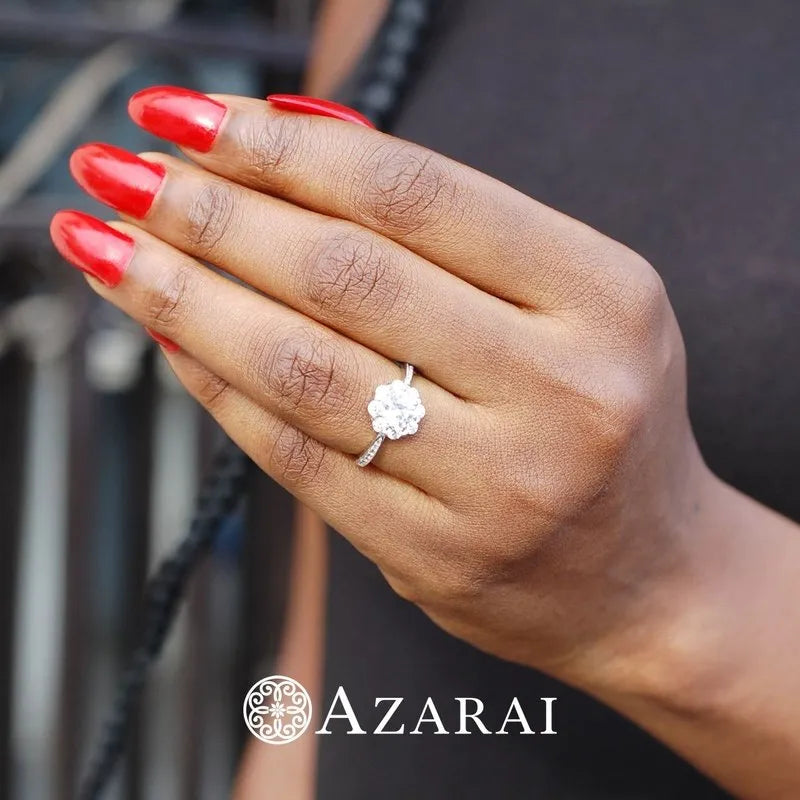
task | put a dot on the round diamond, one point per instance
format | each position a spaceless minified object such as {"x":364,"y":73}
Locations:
{"x":396,"y":410}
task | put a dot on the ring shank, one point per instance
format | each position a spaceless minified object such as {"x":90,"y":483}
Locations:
{"x":371,"y":451}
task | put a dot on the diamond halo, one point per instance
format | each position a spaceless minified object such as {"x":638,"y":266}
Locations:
{"x":396,"y":411}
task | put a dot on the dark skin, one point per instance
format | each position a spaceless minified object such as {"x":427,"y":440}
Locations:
{"x":582,"y":534}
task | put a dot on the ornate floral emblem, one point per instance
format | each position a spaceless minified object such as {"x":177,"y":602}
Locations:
{"x":277,"y":710}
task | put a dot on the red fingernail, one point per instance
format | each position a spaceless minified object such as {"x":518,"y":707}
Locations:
{"x":92,"y":246}
{"x":116,"y":177}
{"x":167,"y":344}
{"x":313,"y":105}
{"x":188,"y":118}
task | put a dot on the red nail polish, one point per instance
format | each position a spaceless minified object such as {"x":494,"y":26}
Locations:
{"x":92,"y":246}
{"x":167,"y":344}
{"x":116,"y":177}
{"x":188,"y":118}
{"x":314,"y":105}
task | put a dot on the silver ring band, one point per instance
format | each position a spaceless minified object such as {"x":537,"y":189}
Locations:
{"x":396,"y":411}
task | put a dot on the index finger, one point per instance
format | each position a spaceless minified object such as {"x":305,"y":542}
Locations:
{"x":460,"y":219}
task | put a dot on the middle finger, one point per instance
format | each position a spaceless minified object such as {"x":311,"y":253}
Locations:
{"x":345,"y":276}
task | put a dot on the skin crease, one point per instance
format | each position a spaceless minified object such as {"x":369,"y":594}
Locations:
{"x":553,"y":509}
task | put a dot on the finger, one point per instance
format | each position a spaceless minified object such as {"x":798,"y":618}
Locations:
{"x":349,"y":278}
{"x":364,"y":505}
{"x":466,"y":222}
{"x":310,"y":376}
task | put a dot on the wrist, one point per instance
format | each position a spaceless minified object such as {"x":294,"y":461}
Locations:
{"x":717,"y":680}
{"x":708,"y":639}
{"x":669,"y":648}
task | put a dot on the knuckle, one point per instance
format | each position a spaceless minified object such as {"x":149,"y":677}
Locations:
{"x":644,"y":304}
{"x":440,"y":587}
{"x":209,"y":218}
{"x":169,"y":303}
{"x":305,"y":373}
{"x":618,"y":421}
{"x":269,"y":147}
{"x":212,"y":390}
{"x":295,"y":458}
{"x":351,"y":274}
{"x":406,"y":188}
{"x":405,"y":588}
{"x":630,"y":298}
{"x":473,"y":563}
{"x":446,"y":570}
{"x":654,"y":302}
{"x":463,"y":585}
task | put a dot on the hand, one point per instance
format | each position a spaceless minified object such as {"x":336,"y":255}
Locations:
{"x":543,"y":512}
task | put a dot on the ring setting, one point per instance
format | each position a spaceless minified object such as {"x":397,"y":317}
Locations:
{"x":396,"y":411}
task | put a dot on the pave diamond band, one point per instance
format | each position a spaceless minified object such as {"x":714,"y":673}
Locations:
{"x":396,"y":411}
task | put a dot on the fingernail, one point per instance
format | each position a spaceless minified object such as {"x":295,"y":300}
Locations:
{"x":116,"y":177}
{"x":188,"y":118}
{"x":314,"y":105}
{"x":167,"y":344}
{"x":92,"y":246}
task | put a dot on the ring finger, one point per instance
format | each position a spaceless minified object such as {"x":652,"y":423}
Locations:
{"x":305,"y":373}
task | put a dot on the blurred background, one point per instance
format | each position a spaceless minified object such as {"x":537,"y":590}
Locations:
{"x":100,"y":450}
